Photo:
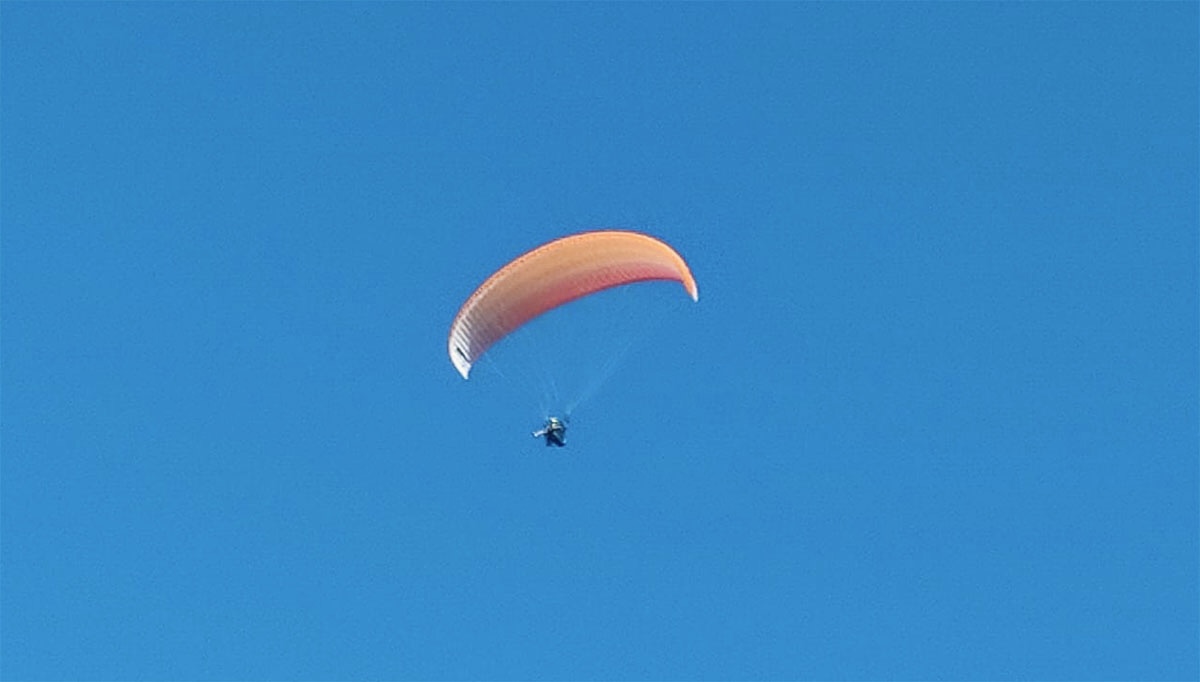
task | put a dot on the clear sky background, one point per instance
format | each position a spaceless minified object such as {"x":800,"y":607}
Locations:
{"x":934,"y":416}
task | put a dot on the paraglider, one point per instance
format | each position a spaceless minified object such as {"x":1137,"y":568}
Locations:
{"x":553,"y":275}
{"x":555,"y":432}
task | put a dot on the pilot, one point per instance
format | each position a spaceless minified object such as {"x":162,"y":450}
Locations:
{"x":555,"y":432}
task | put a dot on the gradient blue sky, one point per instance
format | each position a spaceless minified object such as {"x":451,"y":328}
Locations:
{"x":934,"y":417}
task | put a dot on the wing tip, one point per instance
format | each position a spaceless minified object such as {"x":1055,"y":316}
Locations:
{"x":459,"y":359}
{"x":464,"y":369}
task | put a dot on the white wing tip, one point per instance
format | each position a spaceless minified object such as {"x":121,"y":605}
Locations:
{"x":463,"y":368}
{"x":459,"y":359}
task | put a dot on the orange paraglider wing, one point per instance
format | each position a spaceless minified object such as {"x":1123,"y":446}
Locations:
{"x":554,"y":274}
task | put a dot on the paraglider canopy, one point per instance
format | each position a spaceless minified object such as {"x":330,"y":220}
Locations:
{"x":554,"y":274}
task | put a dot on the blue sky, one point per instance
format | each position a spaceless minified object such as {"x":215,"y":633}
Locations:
{"x":934,"y":416}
